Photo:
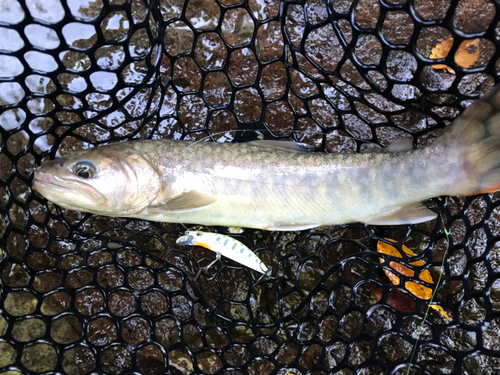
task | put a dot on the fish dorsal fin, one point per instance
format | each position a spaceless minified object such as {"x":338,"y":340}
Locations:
{"x":400,"y":145}
{"x":406,"y":215}
{"x":189,"y":201}
{"x":289,"y":146}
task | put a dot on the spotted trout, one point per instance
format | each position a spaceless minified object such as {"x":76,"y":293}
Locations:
{"x":274,"y":185}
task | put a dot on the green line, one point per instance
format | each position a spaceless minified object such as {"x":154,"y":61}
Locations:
{"x":430,"y":301}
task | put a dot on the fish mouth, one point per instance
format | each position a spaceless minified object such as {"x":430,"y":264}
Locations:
{"x":40,"y":184}
{"x":59,"y":189}
{"x":185,"y":240}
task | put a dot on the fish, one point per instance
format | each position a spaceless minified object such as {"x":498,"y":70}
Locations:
{"x":276,"y":185}
{"x":224,"y":245}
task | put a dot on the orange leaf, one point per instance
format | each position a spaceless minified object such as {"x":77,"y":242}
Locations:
{"x":441,"y":50}
{"x":417,"y":263}
{"x":418,"y":290}
{"x":441,"y":311}
{"x":394,"y":279}
{"x":409,"y":252}
{"x":400,"y":301}
{"x":387,"y":249}
{"x":403,"y":270}
{"x":396,"y":299}
{"x":425,"y":275}
{"x":443,"y":68}
{"x":467,"y":53}
{"x":376,"y":290}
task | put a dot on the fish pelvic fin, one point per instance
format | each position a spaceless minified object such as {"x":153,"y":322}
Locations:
{"x":186,"y":202}
{"x":476,"y":133}
{"x":286,"y":227}
{"x":406,"y":215}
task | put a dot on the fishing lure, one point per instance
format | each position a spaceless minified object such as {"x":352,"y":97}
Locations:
{"x":224,"y":245}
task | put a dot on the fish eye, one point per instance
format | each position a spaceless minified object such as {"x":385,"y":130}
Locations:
{"x":85,"y":169}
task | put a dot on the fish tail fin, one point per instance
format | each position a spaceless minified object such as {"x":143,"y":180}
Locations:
{"x":476,"y":134}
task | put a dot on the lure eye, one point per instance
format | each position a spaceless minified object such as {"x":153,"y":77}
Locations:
{"x":198,"y":234}
{"x":85,"y":169}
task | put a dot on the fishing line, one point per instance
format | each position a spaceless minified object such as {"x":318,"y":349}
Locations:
{"x":419,"y":333}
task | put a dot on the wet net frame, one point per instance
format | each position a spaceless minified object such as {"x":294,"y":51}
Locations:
{"x":83,"y":294}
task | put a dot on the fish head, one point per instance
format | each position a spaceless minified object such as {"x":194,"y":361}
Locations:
{"x":109,"y":180}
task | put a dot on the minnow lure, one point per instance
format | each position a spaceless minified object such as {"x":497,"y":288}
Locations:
{"x":224,"y":245}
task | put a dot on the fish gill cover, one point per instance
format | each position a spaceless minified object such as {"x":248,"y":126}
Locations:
{"x":84,"y":294}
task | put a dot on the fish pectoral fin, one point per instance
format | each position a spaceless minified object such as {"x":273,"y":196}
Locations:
{"x":407,"y":215}
{"x":290,"y":227}
{"x":400,"y":145}
{"x":289,"y":146}
{"x":190,"y":201}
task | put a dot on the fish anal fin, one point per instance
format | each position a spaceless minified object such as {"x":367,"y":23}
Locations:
{"x":290,"y":227}
{"x":189,"y":201}
{"x":289,"y":146}
{"x":400,"y":145}
{"x":406,"y":215}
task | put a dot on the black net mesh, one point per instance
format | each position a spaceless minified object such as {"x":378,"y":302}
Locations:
{"x":83,"y":294}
